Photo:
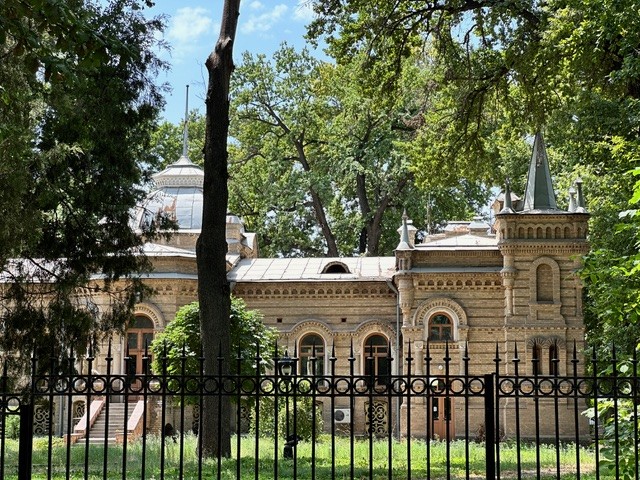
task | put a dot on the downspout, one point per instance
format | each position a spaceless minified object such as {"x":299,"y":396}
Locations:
{"x":393,"y":288}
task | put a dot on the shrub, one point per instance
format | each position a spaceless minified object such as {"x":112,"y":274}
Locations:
{"x":12,"y":426}
{"x":300,"y":413}
{"x":623,"y":441}
{"x":617,"y":421}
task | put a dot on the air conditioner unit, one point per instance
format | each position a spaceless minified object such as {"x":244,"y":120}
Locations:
{"x":342,"y":415}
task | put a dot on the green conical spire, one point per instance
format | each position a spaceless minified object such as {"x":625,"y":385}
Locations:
{"x":539,"y":194}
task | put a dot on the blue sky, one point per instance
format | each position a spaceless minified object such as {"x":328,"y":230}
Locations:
{"x":192,"y":30}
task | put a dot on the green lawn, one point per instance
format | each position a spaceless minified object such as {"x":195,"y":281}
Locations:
{"x":323,"y":464}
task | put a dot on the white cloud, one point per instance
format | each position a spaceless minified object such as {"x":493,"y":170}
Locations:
{"x":304,"y":11}
{"x":256,"y":5}
{"x":189,"y":24}
{"x":263,"y":22}
{"x":187,"y":28}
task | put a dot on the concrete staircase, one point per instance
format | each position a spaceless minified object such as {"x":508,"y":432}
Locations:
{"x":116,"y":423}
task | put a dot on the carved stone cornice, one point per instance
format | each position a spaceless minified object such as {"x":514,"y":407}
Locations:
{"x":409,"y":331}
{"x":182,"y":287}
{"x":307,"y":290}
{"x":539,"y":247}
{"x":419,"y":255}
{"x":458,"y":281}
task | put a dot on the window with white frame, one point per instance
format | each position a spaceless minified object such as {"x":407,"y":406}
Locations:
{"x":311,"y":352}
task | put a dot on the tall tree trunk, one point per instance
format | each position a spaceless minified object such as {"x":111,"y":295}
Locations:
{"x":318,"y":205}
{"x":211,"y":248}
{"x":372,"y":230}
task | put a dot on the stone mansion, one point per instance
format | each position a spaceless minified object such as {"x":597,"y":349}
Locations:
{"x":472,"y":287}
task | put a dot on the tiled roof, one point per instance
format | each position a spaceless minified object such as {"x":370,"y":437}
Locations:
{"x":467,"y":242}
{"x":310,"y":269}
{"x":156,"y":250}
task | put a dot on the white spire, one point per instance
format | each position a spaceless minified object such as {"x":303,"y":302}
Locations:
{"x":429,"y":215}
{"x":185,"y":135}
{"x":182,"y":172}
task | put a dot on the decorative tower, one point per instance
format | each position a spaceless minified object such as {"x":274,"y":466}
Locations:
{"x":403,"y":266}
{"x":541,"y":247}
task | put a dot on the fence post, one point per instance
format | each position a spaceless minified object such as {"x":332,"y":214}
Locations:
{"x":25,"y":452}
{"x":489,"y":427}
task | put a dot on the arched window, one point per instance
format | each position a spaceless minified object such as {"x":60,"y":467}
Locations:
{"x":376,"y":358}
{"x":440,"y":328}
{"x":139,"y":336}
{"x":336,"y":267}
{"x":536,"y":357}
{"x":553,"y":359}
{"x":312,"y":353}
{"x":544,"y":283}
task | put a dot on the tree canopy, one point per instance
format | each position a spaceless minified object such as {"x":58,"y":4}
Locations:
{"x":77,"y":107}
{"x":181,"y":339}
{"x":316,"y":168}
{"x":316,"y":164}
{"x":502,"y":70}
{"x":429,"y":101}
{"x":497,"y":68}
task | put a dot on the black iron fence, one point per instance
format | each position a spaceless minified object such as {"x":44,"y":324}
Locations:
{"x":458,"y":423}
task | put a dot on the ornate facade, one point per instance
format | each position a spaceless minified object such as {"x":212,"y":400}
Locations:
{"x":474,"y":288}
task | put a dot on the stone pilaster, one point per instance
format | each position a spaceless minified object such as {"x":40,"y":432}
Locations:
{"x":508,"y":274}
{"x":406,"y":296}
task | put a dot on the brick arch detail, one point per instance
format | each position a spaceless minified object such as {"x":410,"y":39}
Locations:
{"x":363,"y":332}
{"x":371,"y":327}
{"x":443,"y":305}
{"x":311,"y":326}
{"x":440,"y":304}
{"x":152,"y":312}
{"x":546,"y":342}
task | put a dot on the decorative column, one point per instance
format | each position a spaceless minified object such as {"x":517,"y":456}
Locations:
{"x":508,"y":274}
{"x":579,"y":286}
{"x":506,"y":233}
{"x":403,"y":266}
{"x":418,"y":357}
{"x":405,"y":291}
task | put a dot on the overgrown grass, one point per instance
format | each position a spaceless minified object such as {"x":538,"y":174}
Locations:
{"x":323,"y":464}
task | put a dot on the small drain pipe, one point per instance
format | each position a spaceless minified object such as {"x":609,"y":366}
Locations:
{"x":393,"y":288}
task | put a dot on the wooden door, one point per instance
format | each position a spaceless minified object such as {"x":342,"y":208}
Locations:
{"x":441,"y":418}
{"x":139,"y":337}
